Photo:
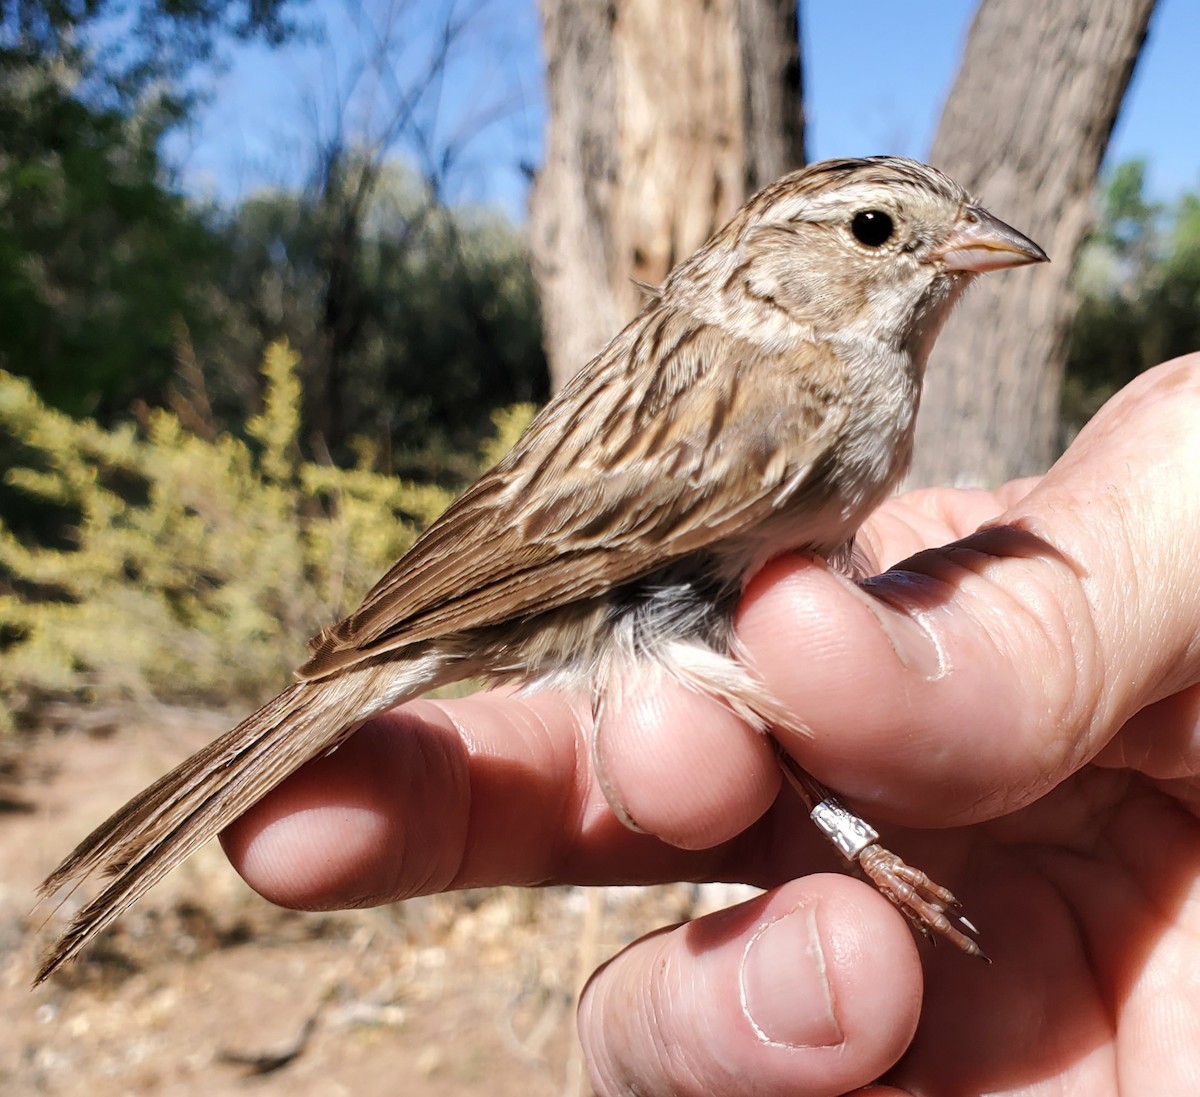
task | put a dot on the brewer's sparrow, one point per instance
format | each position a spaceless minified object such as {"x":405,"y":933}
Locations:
{"x":762,"y":401}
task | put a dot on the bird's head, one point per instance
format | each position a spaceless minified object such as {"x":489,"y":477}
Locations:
{"x":876,"y":249}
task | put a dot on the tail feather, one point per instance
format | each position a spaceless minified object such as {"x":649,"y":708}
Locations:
{"x":180,"y":812}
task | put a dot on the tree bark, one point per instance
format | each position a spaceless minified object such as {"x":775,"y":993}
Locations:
{"x":773,"y":108}
{"x":661,"y":116}
{"x":1025,"y":127}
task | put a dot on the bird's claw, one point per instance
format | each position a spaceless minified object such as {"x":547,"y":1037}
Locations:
{"x":931,"y":908}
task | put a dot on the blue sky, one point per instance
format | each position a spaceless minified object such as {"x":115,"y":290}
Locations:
{"x":876,"y":73}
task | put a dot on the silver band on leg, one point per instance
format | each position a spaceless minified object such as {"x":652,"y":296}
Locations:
{"x":850,"y":833}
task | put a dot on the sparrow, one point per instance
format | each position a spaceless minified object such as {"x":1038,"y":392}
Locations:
{"x":762,"y":402}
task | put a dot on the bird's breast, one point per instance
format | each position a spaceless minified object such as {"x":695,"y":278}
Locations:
{"x":824,"y":503}
{"x":875,"y":447}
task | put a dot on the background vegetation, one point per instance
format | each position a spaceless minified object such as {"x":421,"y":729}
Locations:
{"x":197,"y":561}
{"x":184,"y":497}
{"x":1138,"y":281}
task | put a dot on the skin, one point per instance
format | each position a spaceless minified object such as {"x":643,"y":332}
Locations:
{"x":1030,"y":692}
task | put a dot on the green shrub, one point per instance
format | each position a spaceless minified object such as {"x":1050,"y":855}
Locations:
{"x":194,"y":569}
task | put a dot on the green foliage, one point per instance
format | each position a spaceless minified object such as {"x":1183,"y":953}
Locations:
{"x":196,"y":567}
{"x":413,"y":326}
{"x":414,"y":321}
{"x":100,"y":259}
{"x":1127,"y":220}
{"x":128,"y":51}
{"x":1138,"y":280}
{"x":99,"y":262}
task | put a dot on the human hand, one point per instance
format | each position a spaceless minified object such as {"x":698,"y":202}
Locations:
{"x":1030,"y":690}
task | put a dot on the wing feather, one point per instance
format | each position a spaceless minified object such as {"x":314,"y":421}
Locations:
{"x":675,"y":438}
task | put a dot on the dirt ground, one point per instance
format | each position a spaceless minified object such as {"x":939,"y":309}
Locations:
{"x":206,"y":989}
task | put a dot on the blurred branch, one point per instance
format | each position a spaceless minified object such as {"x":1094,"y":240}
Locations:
{"x":372,"y":116}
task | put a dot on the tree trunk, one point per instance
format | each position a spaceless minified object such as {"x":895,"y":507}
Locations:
{"x":1025,"y":127}
{"x":773,"y":109}
{"x":660,"y":118}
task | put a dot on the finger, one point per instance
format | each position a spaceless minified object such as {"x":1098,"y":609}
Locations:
{"x":970,"y":680}
{"x":917,"y":520}
{"x":680,"y":765}
{"x":1162,"y":741}
{"x":812,"y":989}
{"x":435,"y":796}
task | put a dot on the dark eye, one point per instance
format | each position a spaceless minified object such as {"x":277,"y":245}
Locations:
{"x":872,"y":227}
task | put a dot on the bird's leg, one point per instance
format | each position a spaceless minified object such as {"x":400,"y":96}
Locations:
{"x":931,"y":908}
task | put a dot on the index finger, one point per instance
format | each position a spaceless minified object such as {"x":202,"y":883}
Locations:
{"x":444,"y":795}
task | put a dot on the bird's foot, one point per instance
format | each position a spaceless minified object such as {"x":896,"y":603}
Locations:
{"x":931,"y":908}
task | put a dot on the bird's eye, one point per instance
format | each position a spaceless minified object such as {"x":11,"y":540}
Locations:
{"x":873,"y":228}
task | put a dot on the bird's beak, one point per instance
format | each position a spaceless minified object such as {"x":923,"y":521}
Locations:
{"x":981,"y":242}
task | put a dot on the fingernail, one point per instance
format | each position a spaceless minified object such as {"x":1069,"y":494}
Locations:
{"x":785,"y":990}
{"x":912,"y":642}
{"x":611,"y":794}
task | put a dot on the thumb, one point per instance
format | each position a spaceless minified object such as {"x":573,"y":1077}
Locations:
{"x":970,"y":680}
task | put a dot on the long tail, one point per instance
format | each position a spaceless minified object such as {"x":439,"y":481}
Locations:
{"x":139,"y":844}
